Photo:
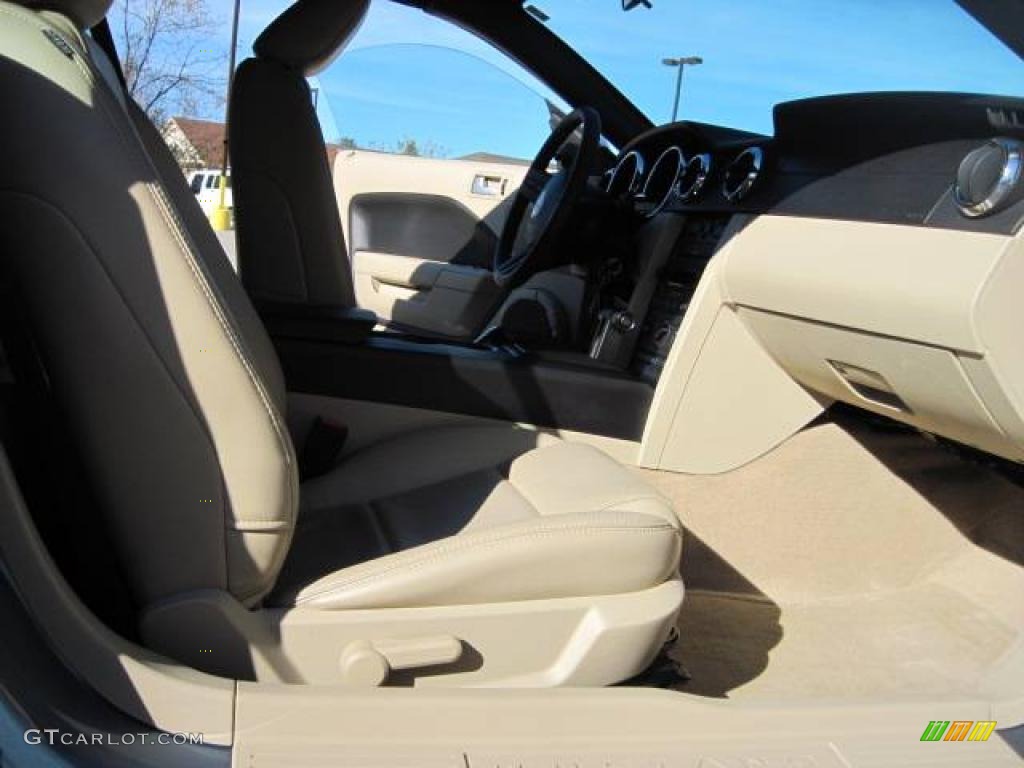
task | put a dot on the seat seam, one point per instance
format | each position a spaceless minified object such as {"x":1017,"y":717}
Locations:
{"x":176,"y":227}
{"x":447,"y":552}
{"x":133,"y":143}
{"x":380,"y":528}
{"x":611,"y":505}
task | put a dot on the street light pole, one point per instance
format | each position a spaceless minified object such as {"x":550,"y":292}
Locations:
{"x":221,"y":216}
{"x":680,"y":62}
{"x":679,"y":90}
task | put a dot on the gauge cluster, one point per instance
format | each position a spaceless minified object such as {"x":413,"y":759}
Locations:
{"x":656,"y":176}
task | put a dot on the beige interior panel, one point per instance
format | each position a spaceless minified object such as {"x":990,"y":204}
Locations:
{"x":369,"y":423}
{"x":914,"y":283}
{"x":916,"y":323}
{"x":448,"y":299}
{"x":722,"y":420}
{"x":587,"y":641}
{"x":999,"y":375}
{"x":313,"y":726}
{"x":915,"y":383}
{"x":720,"y":401}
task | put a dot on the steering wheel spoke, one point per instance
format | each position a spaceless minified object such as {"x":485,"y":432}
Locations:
{"x":544,"y":201}
{"x":533,"y":184}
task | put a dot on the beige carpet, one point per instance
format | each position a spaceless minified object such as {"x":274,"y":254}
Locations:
{"x":852,"y":561}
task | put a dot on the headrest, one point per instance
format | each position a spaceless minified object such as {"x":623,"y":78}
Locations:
{"x":85,"y":13}
{"x":310,"y":33}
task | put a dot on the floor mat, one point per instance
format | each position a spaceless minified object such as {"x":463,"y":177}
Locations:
{"x":924,"y":641}
{"x":851,"y":562}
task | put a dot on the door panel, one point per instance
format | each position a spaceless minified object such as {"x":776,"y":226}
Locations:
{"x":425,"y":226}
{"x":421,"y":294}
{"x":421,"y":234}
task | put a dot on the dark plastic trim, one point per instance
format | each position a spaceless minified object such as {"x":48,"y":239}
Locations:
{"x":559,"y":391}
{"x":345,"y":325}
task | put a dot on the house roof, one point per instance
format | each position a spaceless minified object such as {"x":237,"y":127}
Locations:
{"x":206,"y":136}
{"x":490,"y":157}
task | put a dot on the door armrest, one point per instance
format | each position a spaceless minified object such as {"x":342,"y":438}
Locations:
{"x":320,"y":322}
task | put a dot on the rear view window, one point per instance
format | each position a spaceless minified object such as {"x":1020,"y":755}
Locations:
{"x":197,"y":183}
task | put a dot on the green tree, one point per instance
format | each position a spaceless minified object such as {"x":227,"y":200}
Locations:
{"x":414,"y":148}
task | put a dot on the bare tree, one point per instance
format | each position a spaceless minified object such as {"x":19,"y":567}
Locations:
{"x":172,"y":61}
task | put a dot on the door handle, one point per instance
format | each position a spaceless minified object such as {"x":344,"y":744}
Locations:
{"x":488,"y":186}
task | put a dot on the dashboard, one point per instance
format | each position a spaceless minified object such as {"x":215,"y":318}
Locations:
{"x":883,"y":157}
{"x":856,"y":246}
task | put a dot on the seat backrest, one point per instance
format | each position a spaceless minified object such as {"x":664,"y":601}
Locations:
{"x":291,"y":247}
{"x":161,"y":370}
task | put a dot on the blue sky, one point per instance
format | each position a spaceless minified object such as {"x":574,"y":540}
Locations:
{"x":407,"y":74}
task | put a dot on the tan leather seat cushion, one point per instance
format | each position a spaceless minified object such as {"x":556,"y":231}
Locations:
{"x":462,"y":515}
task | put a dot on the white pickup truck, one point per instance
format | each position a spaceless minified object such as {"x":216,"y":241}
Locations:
{"x":205,"y":185}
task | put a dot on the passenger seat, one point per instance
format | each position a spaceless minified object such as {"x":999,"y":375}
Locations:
{"x":445,"y":555}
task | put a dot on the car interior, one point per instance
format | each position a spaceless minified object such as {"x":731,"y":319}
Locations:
{"x":716,"y":425}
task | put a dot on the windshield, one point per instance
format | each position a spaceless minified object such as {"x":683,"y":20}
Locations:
{"x":755,"y":54}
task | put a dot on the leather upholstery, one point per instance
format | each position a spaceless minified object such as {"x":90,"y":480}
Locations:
{"x":310,"y":33}
{"x":476,"y":517}
{"x":160,"y":367}
{"x":84,"y":13}
{"x":291,"y":247}
{"x":168,"y":383}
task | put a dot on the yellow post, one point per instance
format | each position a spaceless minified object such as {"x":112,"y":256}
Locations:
{"x":220,"y":217}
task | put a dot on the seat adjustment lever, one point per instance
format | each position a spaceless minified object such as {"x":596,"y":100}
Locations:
{"x":366,"y":663}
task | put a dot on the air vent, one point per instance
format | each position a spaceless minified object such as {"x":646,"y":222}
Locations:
{"x":694,"y":175}
{"x":989,"y":178}
{"x":742,"y":173}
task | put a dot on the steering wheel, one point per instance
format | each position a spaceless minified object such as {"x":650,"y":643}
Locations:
{"x":541,"y":207}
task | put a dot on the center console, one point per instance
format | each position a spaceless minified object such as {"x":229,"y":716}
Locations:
{"x":639,"y":319}
{"x":607,"y":392}
{"x":675,"y":287}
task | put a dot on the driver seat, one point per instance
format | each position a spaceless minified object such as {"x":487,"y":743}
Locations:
{"x":291,"y":246}
{"x":456,"y":556}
